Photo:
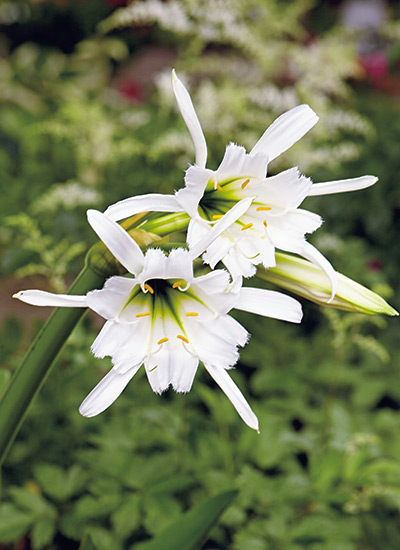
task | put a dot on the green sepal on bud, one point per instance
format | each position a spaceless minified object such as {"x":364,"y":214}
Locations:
{"x":309,"y":281}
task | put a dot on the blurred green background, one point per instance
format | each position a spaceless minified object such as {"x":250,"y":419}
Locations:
{"x":87,"y":117}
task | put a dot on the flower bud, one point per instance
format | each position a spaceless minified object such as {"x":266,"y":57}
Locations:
{"x":309,"y":281}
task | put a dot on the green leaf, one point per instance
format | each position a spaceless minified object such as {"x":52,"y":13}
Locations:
{"x":59,"y":484}
{"x":13,"y":523}
{"x":43,"y":533}
{"x":190,"y":530}
{"x":4,"y":378}
{"x":99,"y":539}
{"x":89,"y":507}
{"x":127,"y":517}
{"x":32,"y":502}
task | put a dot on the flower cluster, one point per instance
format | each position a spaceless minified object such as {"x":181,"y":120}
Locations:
{"x":164,"y":315}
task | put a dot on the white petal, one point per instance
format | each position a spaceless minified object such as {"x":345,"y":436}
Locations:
{"x":299,"y":221}
{"x":196,"y":180}
{"x":117,"y":240}
{"x":310,"y":253}
{"x":154,"y":202}
{"x":222,"y":225}
{"x":217,"y":250}
{"x":285,"y":131}
{"x":158,"y":370}
{"x":287,"y":189}
{"x":110,"y":301}
{"x":269,"y":304}
{"x":238,"y":264}
{"x":213,"y":282}
{"x":255,"y":165}
{"x":108,"y":339}
{"x":155,"y":265}
{"x":183,"y":367}
{"x":210,"y":347}
{"x":231,"y":330}
{"x":106,"y":392}
{"x":192,"y":122}
{"x":43,"y":298}
{"x":233,"y":393}
{"x":232,"y":162}
{"x":342,"y":186}
{"x":179,"y":265}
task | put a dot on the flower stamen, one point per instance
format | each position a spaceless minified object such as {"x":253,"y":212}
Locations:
{"x":261,"y":208}
{"x":217,"y":216}
{"x":265,"y":223}
{"x":148,"y":288}
{"x":183,"y":338}
{"x":218,"y":187}
{"x":191,"y":314}
{"x":163,"y":340}
{"x":247,"y":226}
{"x":154,"y":368}
{"x":144,"y":314}
{"x":245,"y":183}
{"x":177,"y":284}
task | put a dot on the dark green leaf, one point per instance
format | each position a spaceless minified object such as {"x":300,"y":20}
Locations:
{"x":13,"y":523}
{"x":191,"y":529}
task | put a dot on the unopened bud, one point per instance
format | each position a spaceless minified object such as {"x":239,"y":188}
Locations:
{"x":309,"y":281}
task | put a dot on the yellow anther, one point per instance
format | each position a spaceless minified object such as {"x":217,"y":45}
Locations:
{"x":162,"y":340}
{"x":247,"y":226}
{"x":265,"y":223}
{"x":245,"y":183}
{"x":219,"y":188}
{"x":261,"y":208}
{"x":191,"y":314}
{"x":145,"y":314}
{"x":217,"y":216}
{"x":183,"y":338}
{"x":148,"y":287}
{"x":178,"y":283}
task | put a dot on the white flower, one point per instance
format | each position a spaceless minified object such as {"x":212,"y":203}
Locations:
{"x":164,"y":317}
{"x":273,"y":219}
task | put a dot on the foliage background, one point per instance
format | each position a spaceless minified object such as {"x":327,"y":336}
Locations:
{"x":87,"y":117}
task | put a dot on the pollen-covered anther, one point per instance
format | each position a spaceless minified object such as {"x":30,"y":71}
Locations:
{"x":262,"y":208}
{"x":177,"y":284}
{"x":148,"y":288}
{"x":247,"y":226}
{"x":265,"y":223}
{"x":191,"y":314}
{"x":144,"y":314}
{"x":183,"y":338}
{"x":245,"y":183}
{"x":217,"y":216}
{"x":163,"y":340}
{"x":218,"y":187}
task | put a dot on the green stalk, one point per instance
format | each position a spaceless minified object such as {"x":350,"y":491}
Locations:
{"x":36,"y":366}
{"x":163,"y":225}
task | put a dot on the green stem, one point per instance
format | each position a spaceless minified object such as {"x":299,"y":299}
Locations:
{"x":37,"y":364}
{"x":166,"y":224}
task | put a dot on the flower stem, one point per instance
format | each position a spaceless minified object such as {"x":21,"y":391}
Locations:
{"x":169,"y":223}
{"x":38,"y":361}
